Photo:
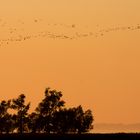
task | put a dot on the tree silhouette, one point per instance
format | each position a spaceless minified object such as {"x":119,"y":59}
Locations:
{"x":87,"y":121}
{"x":64,"y":121}
{"x":83,"y":120}
{"x":50,"y":116}
{"x":5,"y":117}
{"x":22,"y":109}
{"x":73,"y":120}
{"x":33,"y":124}
{"x":47,"y":107}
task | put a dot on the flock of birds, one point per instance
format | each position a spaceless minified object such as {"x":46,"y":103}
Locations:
{"x":18,"y":34}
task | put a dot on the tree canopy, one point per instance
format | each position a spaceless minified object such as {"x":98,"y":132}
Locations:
{"x":50,"y":116}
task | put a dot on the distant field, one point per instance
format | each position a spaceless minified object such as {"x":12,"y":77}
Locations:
{"x":116,"y":128}
{"x":121,"y":136}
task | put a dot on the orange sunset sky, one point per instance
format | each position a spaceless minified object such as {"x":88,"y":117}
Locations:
{"x":88,"y":49}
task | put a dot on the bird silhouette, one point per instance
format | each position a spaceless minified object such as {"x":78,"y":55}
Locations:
{"x":52,"y":30}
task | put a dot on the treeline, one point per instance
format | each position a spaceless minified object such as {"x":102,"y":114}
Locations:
{"x":50,"y":116}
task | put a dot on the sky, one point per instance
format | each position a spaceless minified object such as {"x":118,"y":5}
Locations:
{"x":88,"y":49}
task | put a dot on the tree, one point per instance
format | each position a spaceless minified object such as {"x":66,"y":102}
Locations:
{"x":47,"y":107}
{"x":33,"y":124}
{"x":87,"y":121}
{"x":22,"y":112}
{"x":83,"y":120}
{"x":50,"y":116}
{"x":64,"y":121}
{"x":5,"y":117}
{"x":72,"y":120}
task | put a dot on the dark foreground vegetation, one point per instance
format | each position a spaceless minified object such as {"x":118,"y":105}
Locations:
{"x":120,"y":136}
{"x":51,"y":120}
{"x":50,"y":117}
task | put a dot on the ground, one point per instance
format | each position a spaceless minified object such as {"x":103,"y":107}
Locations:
{"x":120,"y":136}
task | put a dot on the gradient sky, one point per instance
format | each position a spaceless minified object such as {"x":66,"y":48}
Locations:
{"x":101,"y":73}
